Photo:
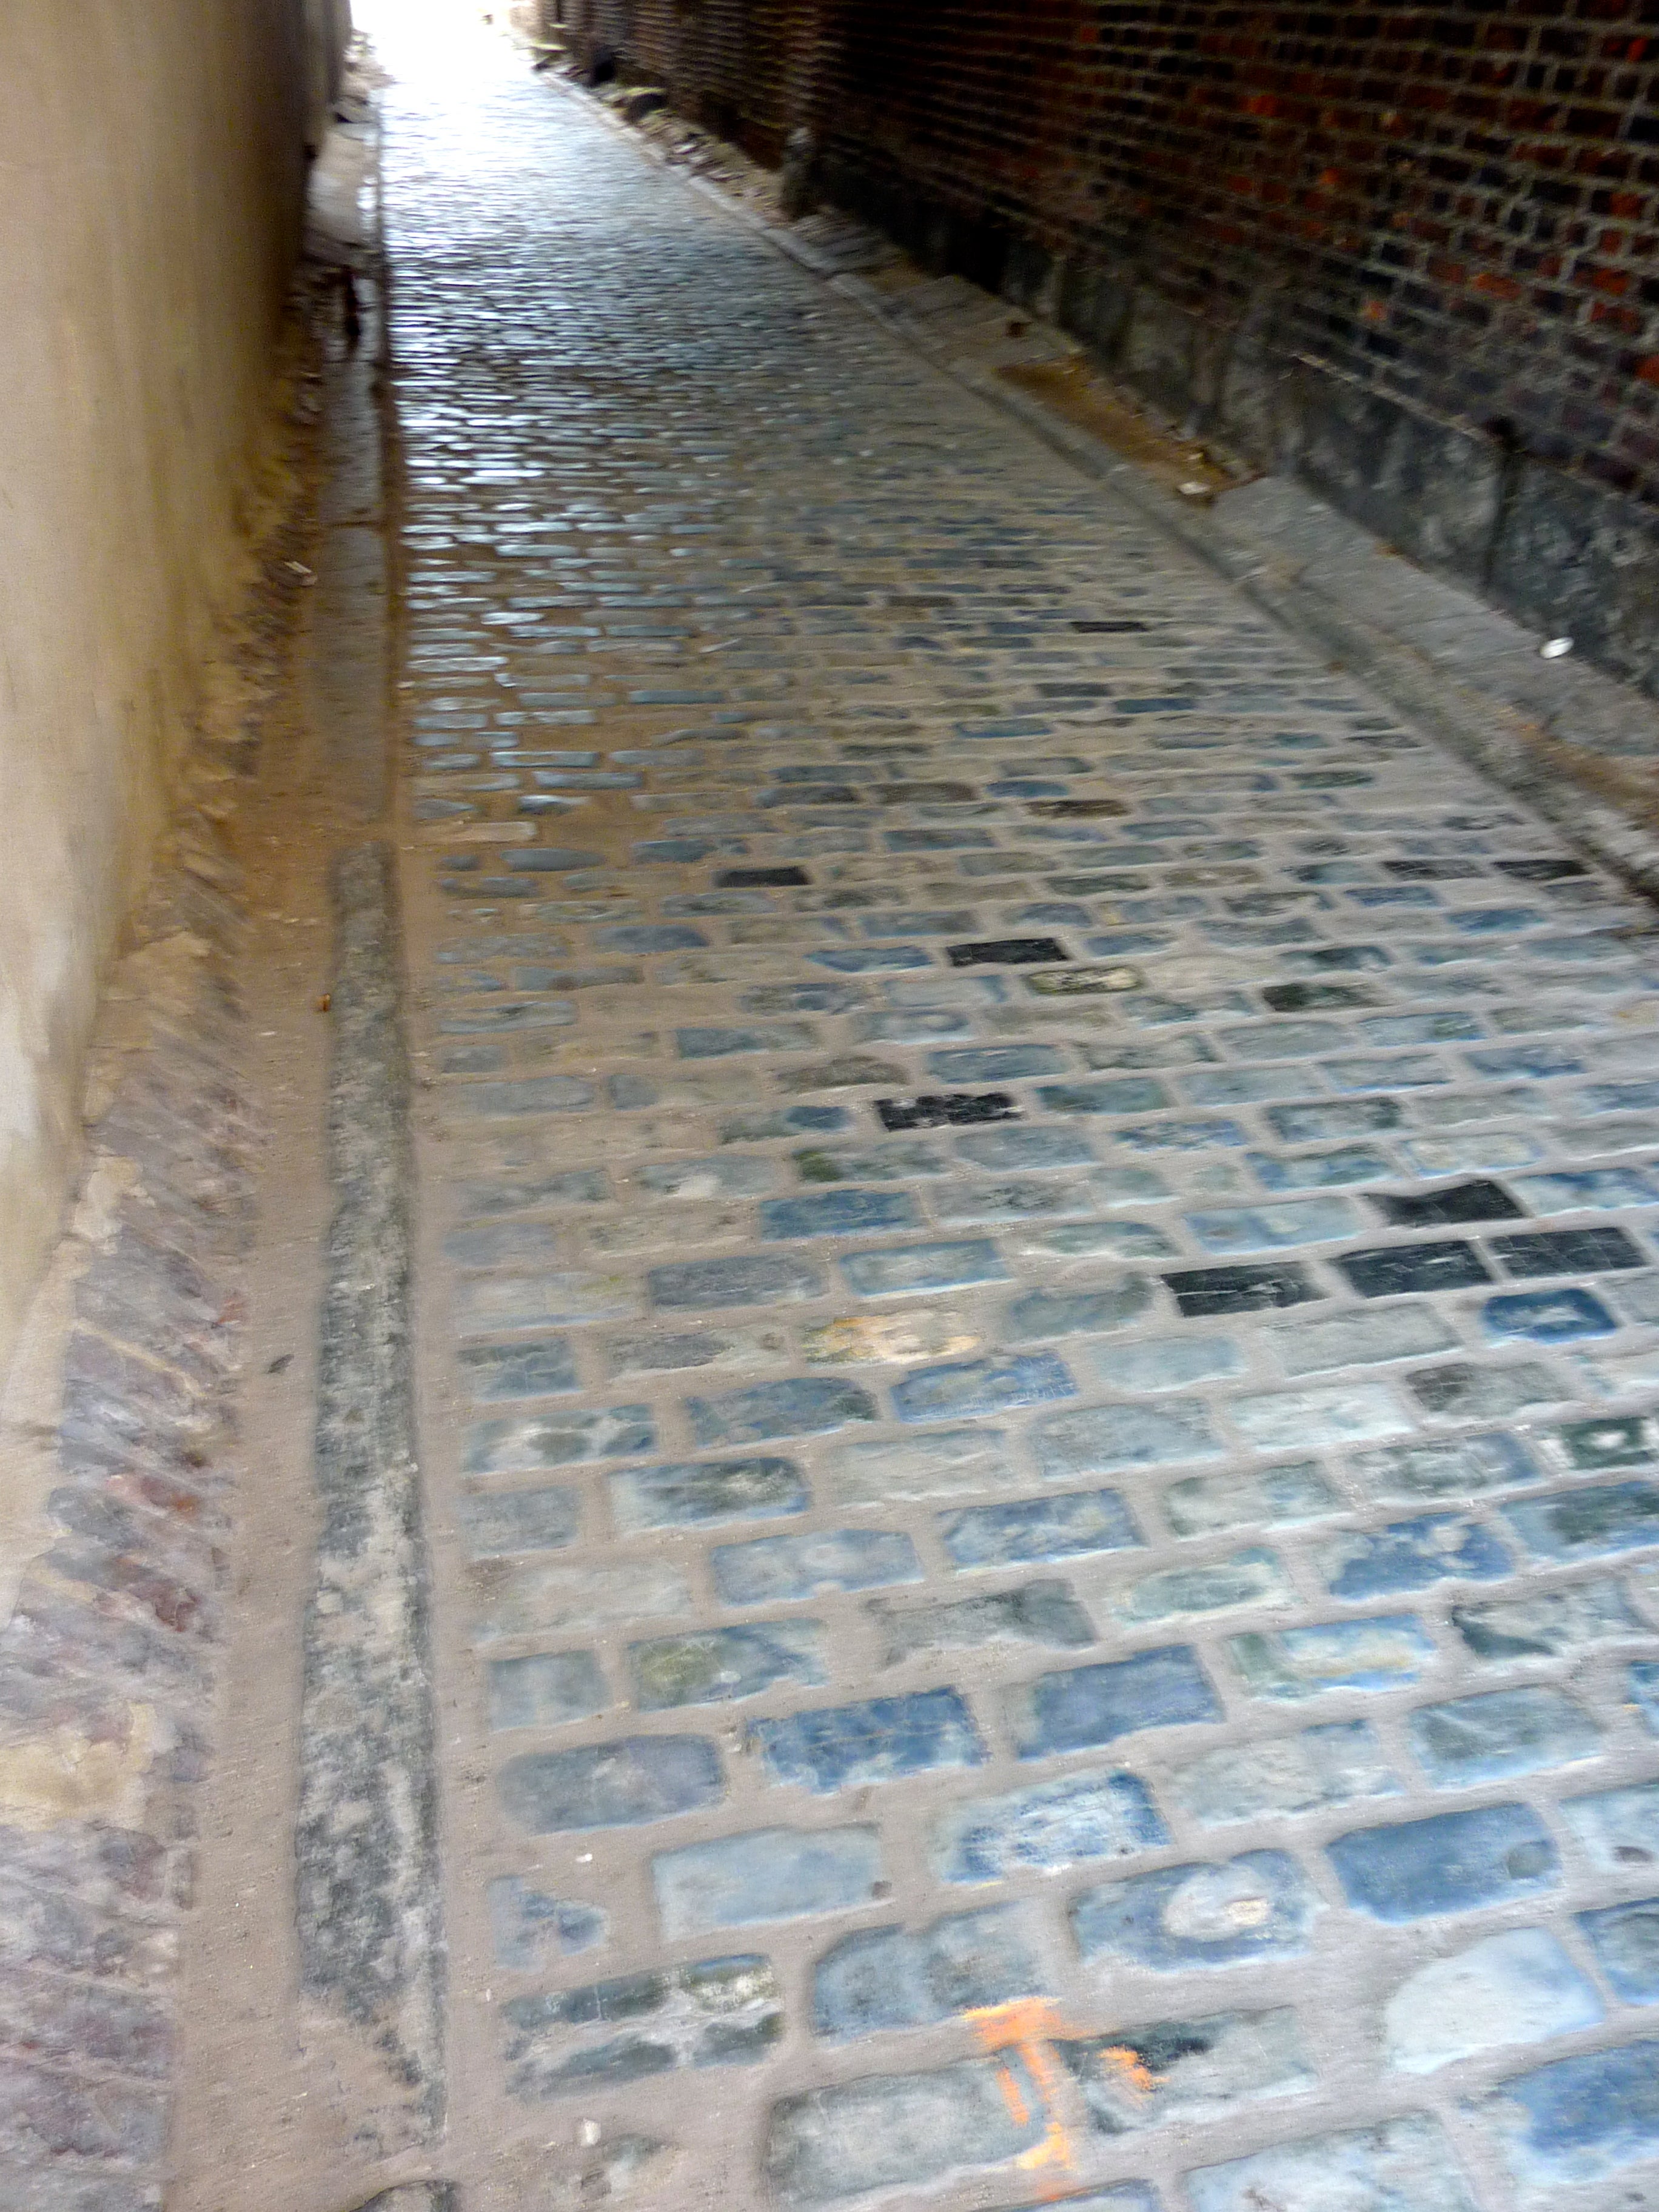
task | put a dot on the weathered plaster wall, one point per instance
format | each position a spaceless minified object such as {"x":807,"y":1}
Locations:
{"x":153,"y":156}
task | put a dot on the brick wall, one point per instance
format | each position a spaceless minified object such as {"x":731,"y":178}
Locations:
{"x":740,"y":68}
{"x":1412,"y":253}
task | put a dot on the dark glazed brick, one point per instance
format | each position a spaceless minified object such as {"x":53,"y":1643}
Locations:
{"x":1567,"y":1252}
{"x":612,"y":1785}
{"x":1007,"y":952}
{"x":1080,"y":1707}
{"x":1541,"y":871}
{"x":1452,"y":1862}
{"x":946,"y":1110}
{"x":1627,"y":1440}
{"x":1201,"y":1291}
{"x":1479,"y":1200}
{"x":649,"y":936}
{"x":1465,"y":1392}
{"x":743,"y":878}
{"x":886,"y":1978}
{"x":886,"y":2130}
{"x":1316,"y":998}
{"x":879,"y":1740}
{"x":1587,"y":1524}
{"x":1258,"y":1905}
{"x":1387,"y":1269}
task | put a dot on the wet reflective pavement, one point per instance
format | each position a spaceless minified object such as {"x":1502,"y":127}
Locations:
{"x":1040,"y":1304}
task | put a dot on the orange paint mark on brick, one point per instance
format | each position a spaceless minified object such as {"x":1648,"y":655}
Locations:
{"x":1022,"y":2027}
{"x":1127,"y":2069}
{"x":1008,"y":2083}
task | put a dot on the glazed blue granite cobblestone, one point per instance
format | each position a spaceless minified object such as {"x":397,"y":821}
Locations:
{"x":1074,"y":1211}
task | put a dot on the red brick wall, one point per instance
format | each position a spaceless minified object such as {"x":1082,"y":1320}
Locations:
{"x":1411,"y":252}
{"x":735,"y":66}
{"x":1457,"y":205}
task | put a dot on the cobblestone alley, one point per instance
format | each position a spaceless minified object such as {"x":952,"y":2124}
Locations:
{"x":1037,"y":1297}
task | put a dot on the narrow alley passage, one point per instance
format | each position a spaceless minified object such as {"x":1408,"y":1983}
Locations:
{"x":1035,"y":1305}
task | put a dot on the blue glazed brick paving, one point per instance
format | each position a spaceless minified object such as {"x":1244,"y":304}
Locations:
{"x":1045,"y":1259}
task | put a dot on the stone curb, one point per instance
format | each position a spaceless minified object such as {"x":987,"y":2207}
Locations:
{"x":368,"y":1908}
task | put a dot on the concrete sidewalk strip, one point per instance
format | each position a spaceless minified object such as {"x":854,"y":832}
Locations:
{"x":1042,"y":1227}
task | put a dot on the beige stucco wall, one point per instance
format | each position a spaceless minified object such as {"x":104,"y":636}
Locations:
{"x":151,"y":178}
